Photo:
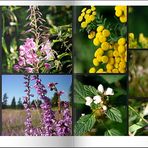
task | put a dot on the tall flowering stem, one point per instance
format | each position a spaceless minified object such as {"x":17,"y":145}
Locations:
{"x":50,"y":124}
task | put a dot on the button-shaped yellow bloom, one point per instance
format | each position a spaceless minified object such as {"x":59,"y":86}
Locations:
{"x":102,"y":38}
{"x":105,"y":46}
{"x":83,"y":25}
{"x":88,"y":11}
{"x":100,"y":70}
{"x":121,"y":41}
{"x":95,"y":62}
{"x":104,"y":59}
{"x":80,"y":18}
{"x":121,"y":49}
{"x":106,"y":33}
{"x":100,"y":28}
{"x":96,"y":42}
{"x":92,"y":70}
{"x":93,"y":8}
{"x":91,"y":35}
{"x":83,"y":10}
{"x":115,"y":70}
{"x":109,"y":67}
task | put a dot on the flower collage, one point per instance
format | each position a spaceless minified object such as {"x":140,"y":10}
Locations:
{"x":74,"y":71}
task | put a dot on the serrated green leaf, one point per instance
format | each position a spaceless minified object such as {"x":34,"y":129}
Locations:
{"x":114,"y":114}
{"x":84,"y":124}
{"x":90,"y":90}
{"x":112,"y":132}
{"x":112,"y":79}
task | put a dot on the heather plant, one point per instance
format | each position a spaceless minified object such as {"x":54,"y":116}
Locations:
{"x":108,"y":39}
{"x":40,"y":45}
{"x":100,"y":106}
{"x":50,"y":125}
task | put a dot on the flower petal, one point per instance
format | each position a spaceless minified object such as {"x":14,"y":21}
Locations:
{"x":97,"y":99}
{"x":101,"y":88}
{"x":109,"y":92}
{"x":104,"y":107}
{"x":89,"y":100}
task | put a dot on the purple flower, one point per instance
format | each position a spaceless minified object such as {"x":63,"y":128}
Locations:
{"x":16,"y":68}
{"x":47,"y":66}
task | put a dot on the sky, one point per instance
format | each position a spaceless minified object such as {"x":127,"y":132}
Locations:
{"x":13,"y":85}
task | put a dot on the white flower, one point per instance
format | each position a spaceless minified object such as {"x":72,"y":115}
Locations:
{"x":82,"y":115}
{"x":109,"y":92}
{"x":145,"y":112}
{"x":101,"y":89}
{"x":104,"y":107}
{"x":89,"y":100}
{"x":97,"y":99}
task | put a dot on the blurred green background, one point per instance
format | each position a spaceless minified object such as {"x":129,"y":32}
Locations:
{"x":13,"y":25}
{"x":83,"y":47}
{"x":137,"y":20}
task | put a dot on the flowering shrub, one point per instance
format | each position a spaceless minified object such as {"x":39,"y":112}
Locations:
{"x":100,"y":113}
{"x":46,"y":46}
{"x":50,"y":125}
{"x":109,"y":39}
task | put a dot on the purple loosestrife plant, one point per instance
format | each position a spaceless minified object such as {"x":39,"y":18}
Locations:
{"x":50,"y":124}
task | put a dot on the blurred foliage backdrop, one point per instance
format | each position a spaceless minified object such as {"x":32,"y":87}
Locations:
{"x":83,"y":47}
{"x":58,"y":20}
{"x":137,"y":20}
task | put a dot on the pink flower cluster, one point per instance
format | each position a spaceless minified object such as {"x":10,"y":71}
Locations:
{"x":32,"y":58}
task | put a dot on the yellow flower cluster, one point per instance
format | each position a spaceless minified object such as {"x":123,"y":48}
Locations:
{"x":135,"y":43}
{"x":87,"y":16}
{"x":121,"y":12}
{"x":111,"y":58}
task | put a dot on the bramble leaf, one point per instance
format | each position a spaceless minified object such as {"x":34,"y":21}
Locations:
{"x":114,"y":114}
{"x":84,"y":124}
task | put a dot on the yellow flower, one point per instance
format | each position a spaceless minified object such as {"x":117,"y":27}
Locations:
{"x":110,"y":53}
{"x":121,"y":41}
{"x":99,"y":58}
{"x":111,"y":61}
{"x":88,"y":11}
{"x":106,"y":33}
{"x":121,"y":49}
{"x":104,"y":59}
{"x":102,"y":38}
{"x":83,"y":10}
{"x":118,"y":12}
{"x":95,"y":62}
{"x":109,"y":67}
{"x":83,"y":25}
{"x":100,"y":70}
{"x":105,"y":46}
{"x":93,"y":8}
{"x":92,"y":17}
{"x":98,"y":34}
{"x":122,"y":70}
{"x":92,"y":70}
{"x":96,"y":42}
{"x":115,"y":71}
{"x":80,"y":18}
{"x":131,"y":36}
{"x":122,"y":65}
{"x":116,"y":53}
{"x":100,"y":28}
{"x":91,"y":35}
{"x":83,"y":14}
{"x":99,"y":52}
{"x":94,"y":13}
{"x":123,"y":19}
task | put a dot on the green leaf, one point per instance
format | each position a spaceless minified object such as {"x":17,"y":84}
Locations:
{"x":84,"y":124}
{"x":112,"y":132}
{"x":63,"y":55}
{"x":112,"y":79}
{"x":114,"y":114}
{"x":137,"y":126}
{"x":90,"y":90}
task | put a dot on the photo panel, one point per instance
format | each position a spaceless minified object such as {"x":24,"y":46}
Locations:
{"x":36,"y":105}
{"x":137,"y":27}
{"x":138,"y":116}
{"x":37,"y":39}
{"x":138,"y":73}
{"x":100,"y":104}
{"x":100,"y":39}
